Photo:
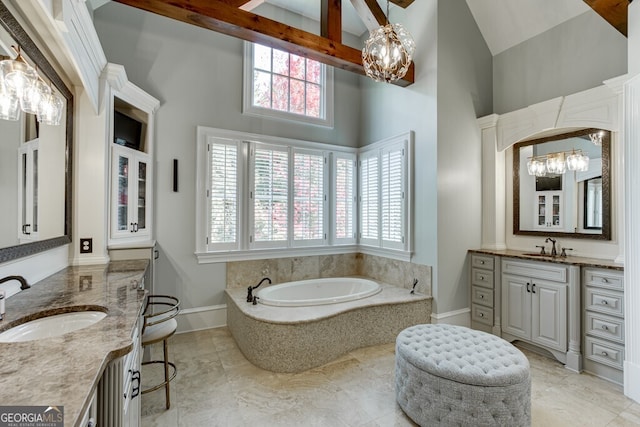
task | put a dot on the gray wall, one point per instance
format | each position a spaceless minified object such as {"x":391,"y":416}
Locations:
{"x":197,"y":76}
{"x":464,"y":93}
{"x":574,"y":56}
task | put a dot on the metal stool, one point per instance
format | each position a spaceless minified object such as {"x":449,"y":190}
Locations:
{"x":160,"y":325}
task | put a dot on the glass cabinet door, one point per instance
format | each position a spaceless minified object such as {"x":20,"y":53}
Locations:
{"x":122,"y":191}
{"x":142,"y":195}
{"x":548,"y":210}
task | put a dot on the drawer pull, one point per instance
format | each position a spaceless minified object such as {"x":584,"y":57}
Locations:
{"x":605,"y":327}
{"x":481,"y":296}
{"x":604,"y":302}
{"x":605,"y":280}
{"x":481,"y":277}
{"x":605,"y":354}
{"x":482,"y":262}
{"x":481,"y":314}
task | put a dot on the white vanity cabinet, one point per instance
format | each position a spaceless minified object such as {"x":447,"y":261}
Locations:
{"x":485,"y":296}
{"x":540,"y":305}
{"x":603,"y":301}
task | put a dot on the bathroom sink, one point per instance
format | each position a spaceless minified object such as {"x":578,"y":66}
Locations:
{"x":540,"y":255}
{"x":52,"y":326}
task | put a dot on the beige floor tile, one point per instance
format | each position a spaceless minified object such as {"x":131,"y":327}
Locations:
{"x":560,"y":408}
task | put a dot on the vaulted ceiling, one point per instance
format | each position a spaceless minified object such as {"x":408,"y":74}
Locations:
{"x":503,"y":23}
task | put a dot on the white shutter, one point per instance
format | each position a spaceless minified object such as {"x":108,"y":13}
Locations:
{"x":369,"y":198}
{"x":344,"y":218}
{"x":393,"y":190}
{"x":270,"y":195}
{"x":308,"y":197}
{"x":223,"y":194}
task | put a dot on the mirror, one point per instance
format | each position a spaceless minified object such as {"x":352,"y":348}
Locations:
{"x":35,"y":162}
{"x":556,"y":193}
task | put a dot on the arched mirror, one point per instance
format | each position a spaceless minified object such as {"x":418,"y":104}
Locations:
{"x":562,"y":186}
{"x":35,"y":164}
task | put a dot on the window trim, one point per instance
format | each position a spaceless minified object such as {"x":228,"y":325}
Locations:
{"x":247,"y":99}
{"x":331,"y":245}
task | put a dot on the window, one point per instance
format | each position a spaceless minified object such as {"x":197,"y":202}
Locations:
{"x":384,"y":190}
{"x":299,"y":196}
{"x":282,"y":85}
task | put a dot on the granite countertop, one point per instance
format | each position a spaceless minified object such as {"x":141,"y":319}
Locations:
{"x":569,"y":260}
{"x":63,"y":371}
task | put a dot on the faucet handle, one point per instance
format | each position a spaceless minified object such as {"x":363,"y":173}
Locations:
{"x":542,"y":252}
{"x":563,"y":253}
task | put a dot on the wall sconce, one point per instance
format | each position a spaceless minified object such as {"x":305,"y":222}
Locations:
{"x":558,"y":163}
{"x":23,"y":89}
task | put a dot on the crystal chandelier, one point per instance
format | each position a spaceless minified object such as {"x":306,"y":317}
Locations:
{"x":596,"y":138}
{"x":22,"y":89}
{"x":558,"y":163}
{"x":388,"y":52}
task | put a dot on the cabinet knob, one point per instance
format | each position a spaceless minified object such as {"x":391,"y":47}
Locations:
{"x":605,"y":280}
{"x":605,"y":354}
{"x":481,"y":314}
{"x":481,"y":296}
{"x":482,"y":262}
{"x":604,"y":302}
{"x":481,"y":277}
{"x":605,"y":327}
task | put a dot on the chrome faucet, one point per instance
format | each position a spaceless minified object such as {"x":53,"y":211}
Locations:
{"x":250,"y":289}
{"x":554,"y":252}
{"x":23,"y":282}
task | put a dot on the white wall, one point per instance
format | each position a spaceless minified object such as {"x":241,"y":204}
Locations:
{"x":197,"y":76}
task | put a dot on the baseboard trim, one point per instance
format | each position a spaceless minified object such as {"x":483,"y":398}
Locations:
{"x":199,"y":318}
{"x":460,"y":317}
{"x":632,"y":380}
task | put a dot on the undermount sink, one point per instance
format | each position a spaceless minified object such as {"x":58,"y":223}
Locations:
{"x":52,"y":326}
{"x":541,"y":255}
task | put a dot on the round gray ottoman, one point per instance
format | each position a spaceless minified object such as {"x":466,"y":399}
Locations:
{"x":454,"y":376}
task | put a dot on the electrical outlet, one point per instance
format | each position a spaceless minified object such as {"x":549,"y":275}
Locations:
{"x":86,"y":246}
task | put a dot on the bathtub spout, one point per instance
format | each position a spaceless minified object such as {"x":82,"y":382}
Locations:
{"x":251,"y":288}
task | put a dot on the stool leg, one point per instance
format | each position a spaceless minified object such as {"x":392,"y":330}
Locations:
{"x":166,"y":373}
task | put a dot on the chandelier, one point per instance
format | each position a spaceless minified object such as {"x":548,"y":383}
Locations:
{"x":23,"y":89}
{"x":558,"y":163}
{"x":596,"y":138}
{"x":388,"y":51}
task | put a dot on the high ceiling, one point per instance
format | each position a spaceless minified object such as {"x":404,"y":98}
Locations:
{"x":503,"y":23}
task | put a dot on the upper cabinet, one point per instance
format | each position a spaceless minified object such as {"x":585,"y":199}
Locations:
{"x":131,"y":122}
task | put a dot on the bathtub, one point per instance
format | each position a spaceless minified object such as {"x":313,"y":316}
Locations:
{"x":317,"y":292}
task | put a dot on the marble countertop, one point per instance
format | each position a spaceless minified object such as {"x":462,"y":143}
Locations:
{"x":569,"y":260}
{"x":62,"y":371}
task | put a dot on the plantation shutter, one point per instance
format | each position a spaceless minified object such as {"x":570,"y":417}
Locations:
{"x":223,"y":194}
{"x":344,"y":194}
{"x":270,"y":195}
{"x":369,"y":197}
{"x":308,"y":196}
{"x":392,"y":189}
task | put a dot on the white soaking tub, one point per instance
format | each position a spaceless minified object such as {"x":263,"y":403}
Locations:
{"x":317,"y":291}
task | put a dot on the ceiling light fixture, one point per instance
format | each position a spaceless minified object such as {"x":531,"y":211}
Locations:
{"x":388,"y":52}
{"x":596,"y":138}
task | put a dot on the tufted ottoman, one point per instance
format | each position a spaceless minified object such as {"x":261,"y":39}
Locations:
{"x":454,"y":376}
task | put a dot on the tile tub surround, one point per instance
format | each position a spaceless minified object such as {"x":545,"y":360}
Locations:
{"x":63,"y":371}
{"x":241,"y":274}
{"x":294,"y":339}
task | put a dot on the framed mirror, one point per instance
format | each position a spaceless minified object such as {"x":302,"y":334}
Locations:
{"x":562,"y":186}
{"x":36,"y":161}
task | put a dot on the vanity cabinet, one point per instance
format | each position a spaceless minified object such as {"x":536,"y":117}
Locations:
{"x":603,"y":302}
{"x":548,"y":210}
{"x":483,"y":294}
{"x":540,"y":305}
{"x":131,"y":188}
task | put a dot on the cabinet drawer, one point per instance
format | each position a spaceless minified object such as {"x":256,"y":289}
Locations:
{"x":482,"y":314}
{"x":539,"y":270}
{"x":482,"y":296}
{"x":604,"y":279}
{"x":482,"y":261}
{"x":604,"y":352}
{"x":482,"y":278}
{"x":602,"y":301}
{"x":604,"y":326}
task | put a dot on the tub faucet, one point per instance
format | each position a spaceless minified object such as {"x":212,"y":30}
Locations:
{"x":251,"y":288}
{"x":23,"y":282}
{"x":554,"y":252}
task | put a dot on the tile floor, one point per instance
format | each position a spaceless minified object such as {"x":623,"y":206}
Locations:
{"x":217,"y":386}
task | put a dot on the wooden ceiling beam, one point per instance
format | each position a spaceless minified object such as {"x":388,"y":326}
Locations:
{"x":217,"y":15}
{"x":370,"y":12}
{"x":331,"y":20}
{"x":613,"y":11}
{"x":402,"y":3}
